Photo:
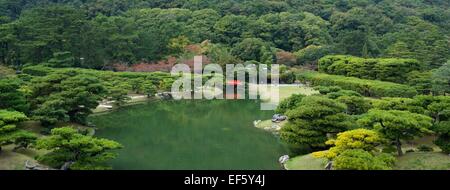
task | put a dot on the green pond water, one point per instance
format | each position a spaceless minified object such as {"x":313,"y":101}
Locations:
{"x":191,"y":135}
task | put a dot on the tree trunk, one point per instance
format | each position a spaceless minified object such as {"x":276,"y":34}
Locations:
{"x":399,"y":147}
{"x":0,"y":150}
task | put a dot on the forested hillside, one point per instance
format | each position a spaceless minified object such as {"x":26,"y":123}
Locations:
{"x":374,"y":74}
{"x":95,"y":33}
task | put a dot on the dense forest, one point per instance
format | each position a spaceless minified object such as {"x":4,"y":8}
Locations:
{"x":95,"y":33}
{"x":380,"y":70}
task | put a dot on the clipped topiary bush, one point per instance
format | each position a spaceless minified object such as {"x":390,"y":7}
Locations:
{"x":385,"y":69}
{"x":371,"y":88}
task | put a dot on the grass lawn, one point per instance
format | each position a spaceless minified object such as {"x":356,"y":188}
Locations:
{"x":306,"y":162}
{"x":285,"y":91}
{"x":427,"y":140}
{"x":409,"y":161}
{"x":10,"y":160}
{"x":423,"y":161}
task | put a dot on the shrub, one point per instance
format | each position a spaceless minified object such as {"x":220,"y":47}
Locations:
{"x":402,"y":104}
{"x":335,"y":95}
{"x":444,"y":143}
{"x":355,"y":105}
{"x":371,"y":88}
{"x":357,"y":159}
{"x":425,"y":148}
{"x":327,"y":89}
{"x":310,"y":54}
{"x":37,"y":70}
{"x":290,"y":103}
{"x":390,"y":69}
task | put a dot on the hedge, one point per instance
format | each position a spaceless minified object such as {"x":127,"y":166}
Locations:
{"x":370,"y":88}
{"x":37,"y":70}
{"x":385,"y":69}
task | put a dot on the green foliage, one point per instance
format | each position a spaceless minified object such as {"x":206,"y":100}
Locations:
{"x":437,"y":107}
{"x":425,"y":148}
{"x":149,"y":88}
{"x":357,"y":159}
{"x":10,"y":134}
{"x":441,"y":80}
{"x":340,"y":93}
{"x":289,"y":103}
{"x":363,"y":139}
{"x":11,"y":96}
{"x":141,"y":30}
{"x":62,"y":59}
{"x":287,"y":76}
{"x":442,"y":128}
{"x":11,"y":117}
{"x":231,"y":28}
{"x":177,"y":45}
{"x":221,"y":55}
{"x":314,"y":118}
{"x":38,"y":70}
{"x":250,"y":49}
{"x":402,"y":104}
{"x":444,"y":143}
{"x":65,"y":95}
{"x":392,"y":70}
{"x":371,"y":88}
{"x":389,"y":149}
{"x":399,"y":50}
{"x":85,"y":152}
{"x":421,"y":81}
{"x":327,"y":89}
{"x":119,"y":94}
{"x":397,"y":125}
{"x":311,"y":54}
{"x":355,"y":105}
{"x":42,"y":31}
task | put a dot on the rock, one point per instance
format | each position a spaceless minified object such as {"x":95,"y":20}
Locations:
{"x":255,"y":123}
{"x":66,"y":166}
{"x":165,"y":95}
{"x":28,"y":166}
{"x":278,"y":118}
{"x":329,"y":165}
{"x":283,"y":159}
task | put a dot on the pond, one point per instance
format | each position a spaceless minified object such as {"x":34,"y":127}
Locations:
{"x":191,"y":135}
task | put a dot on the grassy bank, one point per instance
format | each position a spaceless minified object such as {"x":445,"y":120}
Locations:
{"x":15,"y":160}
{"x":410,"y":161}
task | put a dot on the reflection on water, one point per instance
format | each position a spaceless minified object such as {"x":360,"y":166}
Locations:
{"x":191,"y":135}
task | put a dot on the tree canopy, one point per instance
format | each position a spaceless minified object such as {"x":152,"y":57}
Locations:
{"x":10,"y":134}
{"x":80,"y":151}
{"x":144,"y":30}
{"x":314,"y":118}
{"x":397,"y":125}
